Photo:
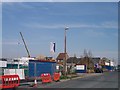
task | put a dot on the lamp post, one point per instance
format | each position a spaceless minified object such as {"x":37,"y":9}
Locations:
{"x":18,"y":55}
{"x":65,"y":58}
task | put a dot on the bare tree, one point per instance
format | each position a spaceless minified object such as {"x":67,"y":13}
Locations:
{"x":85,"y":53}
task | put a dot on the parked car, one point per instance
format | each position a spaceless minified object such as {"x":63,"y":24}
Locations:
{"x":98,"y":70}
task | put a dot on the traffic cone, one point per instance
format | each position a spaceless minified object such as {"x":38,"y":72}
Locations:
{"x":35,"y":83}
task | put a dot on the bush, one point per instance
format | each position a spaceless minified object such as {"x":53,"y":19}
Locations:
{"x":64,"y":77}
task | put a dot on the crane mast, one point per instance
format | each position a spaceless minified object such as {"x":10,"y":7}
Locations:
{"x":25,"y":44}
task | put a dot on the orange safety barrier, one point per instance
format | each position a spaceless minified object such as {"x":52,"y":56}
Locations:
{"x":56,"y":76}
{"x":9,"y":81}
{"x":46,"y":77}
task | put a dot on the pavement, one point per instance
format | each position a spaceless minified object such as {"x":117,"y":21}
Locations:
{"x":82,"y":75}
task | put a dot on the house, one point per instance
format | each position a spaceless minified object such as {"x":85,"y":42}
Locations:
{"x":96,"y":61}
{"x":60,"y":58}
{"x":75,"y":60}
{"x":88,"y":62}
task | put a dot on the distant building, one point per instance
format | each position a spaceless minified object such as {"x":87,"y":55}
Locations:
{"x":89,"y":62}
{"x":3,"y":59}
{"x":105,"y":61}
{"x":3,"y":63}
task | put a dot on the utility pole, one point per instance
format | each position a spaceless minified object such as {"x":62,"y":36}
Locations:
{"x":65,"y":58}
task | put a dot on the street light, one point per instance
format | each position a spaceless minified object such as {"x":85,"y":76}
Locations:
{"x":18,"y":55}
{"x":66,"y":28}
{"x":65,"y":58}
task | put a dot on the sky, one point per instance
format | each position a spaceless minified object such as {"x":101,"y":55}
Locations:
{"x":92,"y":26}
{"x":60,"y":0}
{"x":0,"y":29}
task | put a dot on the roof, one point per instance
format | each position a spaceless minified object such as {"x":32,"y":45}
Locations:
{"x":73,"y":60}
{"x":41,"y":61}
{"x":61,"y":56}
{"x":96,"y":60}
{"x":3,"y":59}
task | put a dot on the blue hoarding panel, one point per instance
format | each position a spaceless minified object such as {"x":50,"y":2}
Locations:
{"x":80,"y":71}
{"x":41,"y":67}
{"x":31,"y":69}
{"x":109,"y":67}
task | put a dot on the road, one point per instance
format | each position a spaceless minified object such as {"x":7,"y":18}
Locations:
{"x":105,"y":80}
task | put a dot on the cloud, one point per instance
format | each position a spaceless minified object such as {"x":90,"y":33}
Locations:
{"x":105,"y":25}
{"x":19,"y":7}
{"x":10,"y":43}
{"x":38,"y":25}
{"x":13,"y":0}
{"x":108,"y":54}
{"x":20,"y":4}
{"x":17,"y":43}
{"x":110,"y":25}
{"x":27,"y":0}
{"x":95,"y":33}
{"x":86,"y":0}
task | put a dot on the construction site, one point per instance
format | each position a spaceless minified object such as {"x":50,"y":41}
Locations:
{"x":48,"y":69}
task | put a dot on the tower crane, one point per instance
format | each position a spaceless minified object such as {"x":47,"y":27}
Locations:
{"x":25,"y":44}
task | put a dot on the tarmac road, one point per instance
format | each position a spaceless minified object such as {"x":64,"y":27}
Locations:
{"x":105,"y":80}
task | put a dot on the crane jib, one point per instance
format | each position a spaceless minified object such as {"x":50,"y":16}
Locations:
{"x":25,"y":45}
